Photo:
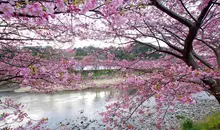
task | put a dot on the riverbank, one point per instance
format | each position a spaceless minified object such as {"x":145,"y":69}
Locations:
{"x":172,"y":120}
{"x":89,"y":84}
{"x":196,"y":111}
{"x":93,"y":79}
{"x":7,"y":87}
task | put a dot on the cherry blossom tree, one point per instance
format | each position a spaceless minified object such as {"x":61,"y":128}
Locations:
{"x":184,"y":31}
{"x":181,"y":29}
{"x":187,"y":31}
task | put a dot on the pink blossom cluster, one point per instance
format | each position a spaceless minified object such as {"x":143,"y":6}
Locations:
{"x":14,"y":111}
{"x":39,"y":73}
{"x":7,"y":9}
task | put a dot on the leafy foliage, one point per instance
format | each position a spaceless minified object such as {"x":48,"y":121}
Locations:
{"x":136,"y":51}
{"x":211,"y":122}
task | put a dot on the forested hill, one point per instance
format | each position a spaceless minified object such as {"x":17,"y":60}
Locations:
{"x":141,"y":52}
{"x":129,"y":53}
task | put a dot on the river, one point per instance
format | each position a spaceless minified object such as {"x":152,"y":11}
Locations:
{"x":73,"y":108}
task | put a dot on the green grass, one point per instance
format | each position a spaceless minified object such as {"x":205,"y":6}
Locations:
{"x":211,"y":122}
{"x":95,"y":73}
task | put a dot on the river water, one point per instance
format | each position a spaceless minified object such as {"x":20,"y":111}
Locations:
{"x":73,"y":108}
{"x":79,"y":110}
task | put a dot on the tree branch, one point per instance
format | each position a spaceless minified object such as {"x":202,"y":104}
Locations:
{"x":172,"y":14}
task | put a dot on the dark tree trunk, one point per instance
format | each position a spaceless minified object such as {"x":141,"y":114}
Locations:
{"x":214,"y":87}
{"x":216,"y":90}
{"x":190,"y":61}
{"x":217,"y":98}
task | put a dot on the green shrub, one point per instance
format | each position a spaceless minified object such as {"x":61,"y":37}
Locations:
{"x":188,"y":124}
{"x":211,"y":122}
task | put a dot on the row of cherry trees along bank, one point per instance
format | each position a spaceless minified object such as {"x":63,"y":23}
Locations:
{"x":187,"y":31}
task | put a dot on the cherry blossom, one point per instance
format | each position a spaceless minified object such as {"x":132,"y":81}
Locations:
{"x":7,"y":9}
{"x":186,"y":32}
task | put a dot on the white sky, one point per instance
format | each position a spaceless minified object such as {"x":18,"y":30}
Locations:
{"x":84,"y":43}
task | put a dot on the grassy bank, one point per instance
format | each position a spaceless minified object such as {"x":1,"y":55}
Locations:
{"x":210,"y":122}
{"x":99,"y":73}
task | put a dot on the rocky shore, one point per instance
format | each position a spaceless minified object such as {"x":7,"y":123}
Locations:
{"x":196,"y":111}
{"x":171,"y":121}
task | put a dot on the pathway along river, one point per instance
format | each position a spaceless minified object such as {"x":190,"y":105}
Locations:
{"x":80,"y":110}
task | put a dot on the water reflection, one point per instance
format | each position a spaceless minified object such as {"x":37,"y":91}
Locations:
{"x":63,"y":105}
